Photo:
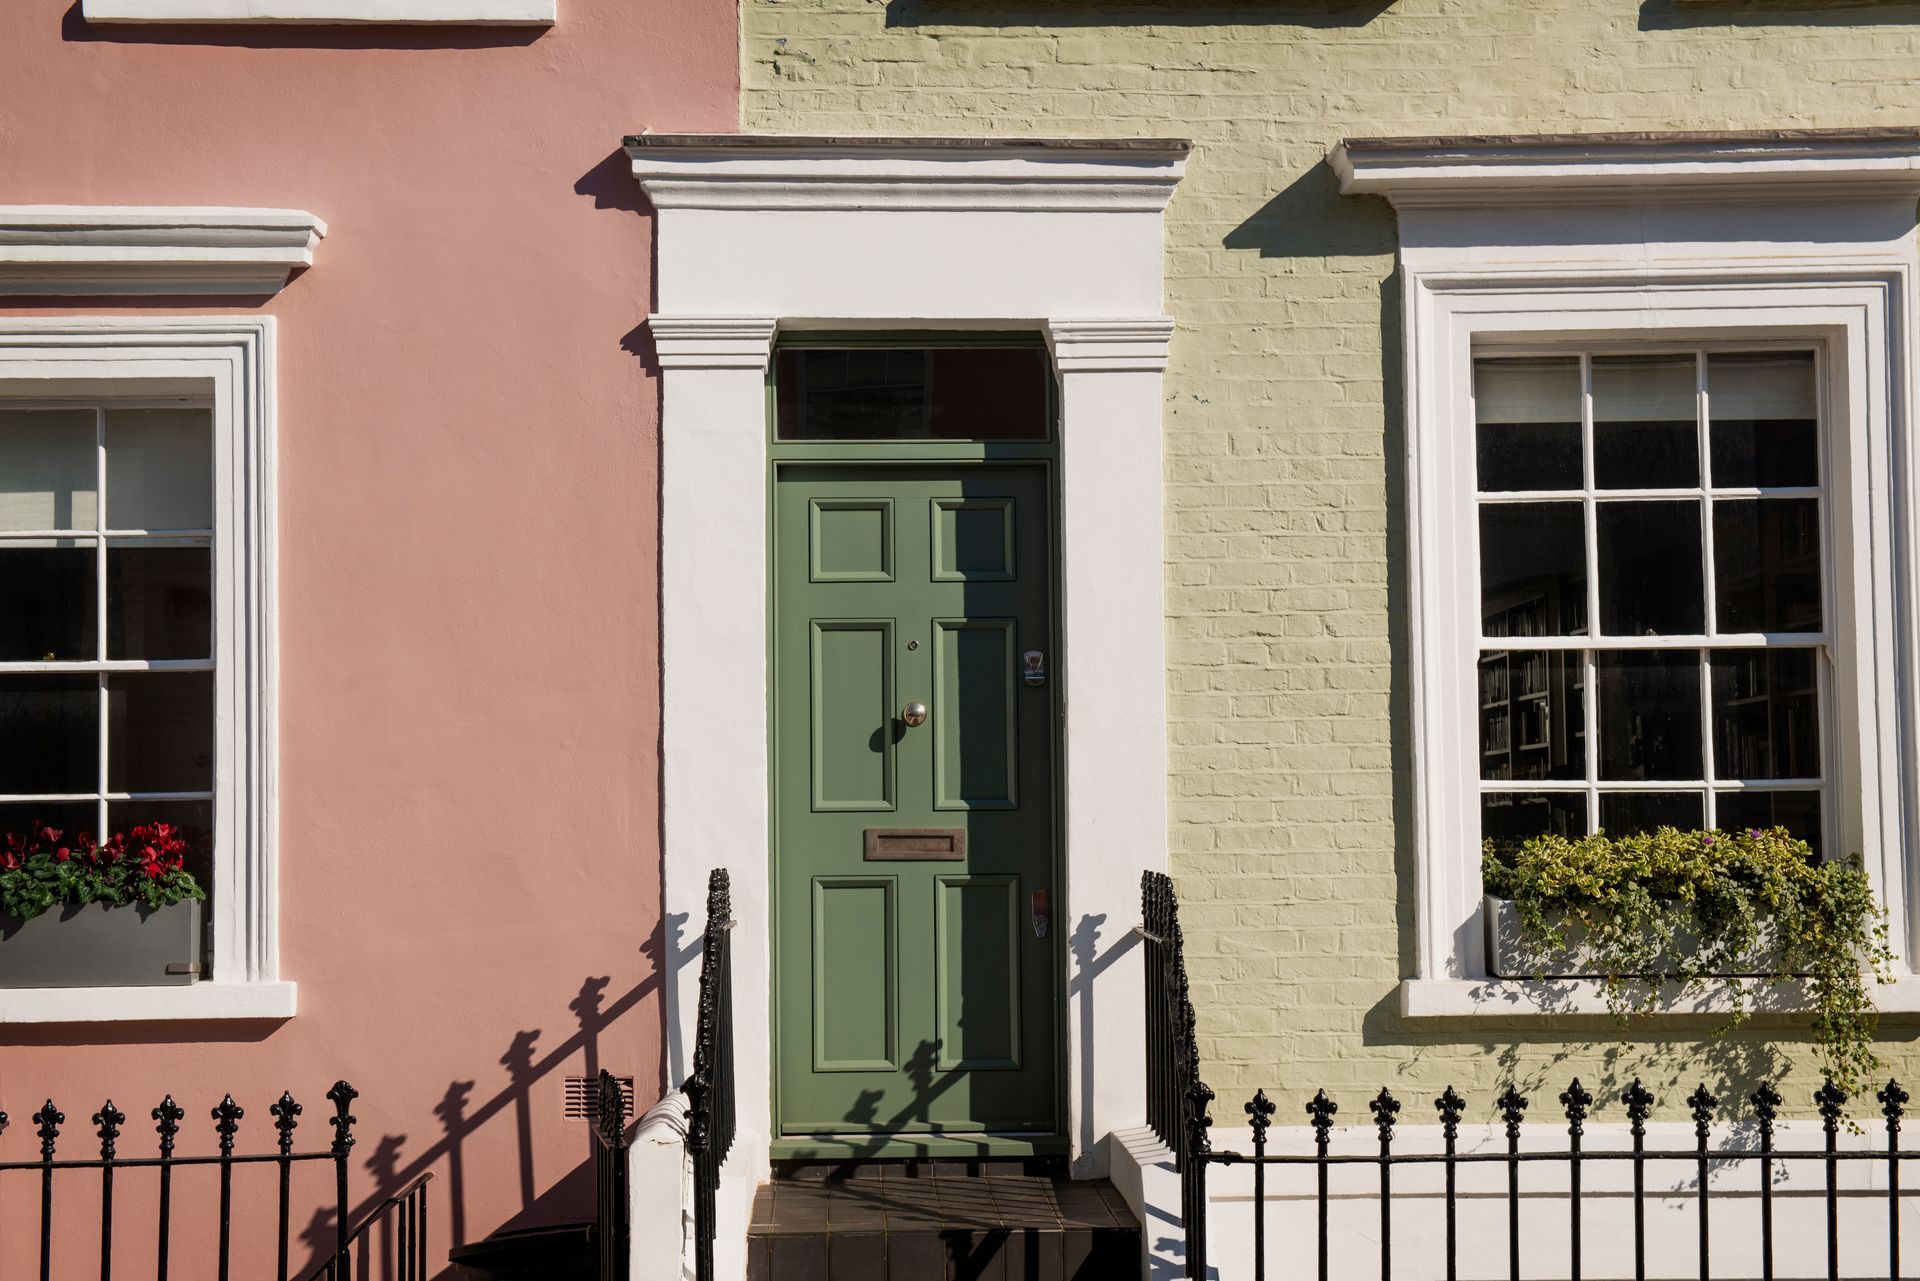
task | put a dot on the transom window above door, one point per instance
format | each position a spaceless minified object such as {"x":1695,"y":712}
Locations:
{"x":1654,"y":605}
{"x":107,"y":642}
{"x":945,"y":392}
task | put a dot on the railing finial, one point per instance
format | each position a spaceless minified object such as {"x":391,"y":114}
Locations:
{"x":1639,"y":1101}
{"x":1450,"y":1106}
{"x":1831,"y":1099}
{"x":1893,"y":1104}
{"x":1384,"y":1108}
{"x":1513,"y":1107}
{"x":49,"y":1118}
{"x":109,"y":1118}
{"x":286,"y":1115}
{"x":1577,"y":1100}
{"x":342,"y":1096}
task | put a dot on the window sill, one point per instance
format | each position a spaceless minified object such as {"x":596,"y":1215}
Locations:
{"x":1432,"y":999}
{"x":124,"y":1004}
{"x":522,"y":13}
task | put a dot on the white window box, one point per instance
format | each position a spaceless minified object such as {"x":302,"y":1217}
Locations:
{"x":523,"y":13}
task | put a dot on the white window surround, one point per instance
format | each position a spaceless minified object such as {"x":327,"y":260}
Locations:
{"x":757,"y":234}
{"x":130,"y":250}
{"x":522,"y":13}
{"x":1670,"y":239}
{"x":228,"y":361}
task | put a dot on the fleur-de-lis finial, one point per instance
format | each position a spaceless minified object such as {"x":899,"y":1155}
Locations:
{"x":169,"y":1114}
{"x":1199,"y":1098}
{"x":1260,"y":1110}
{"x":1766,"y":1105}
{"x":1384,"y":1108}
{"x":286,"y":1115}
{"x":1639,"y":1102}
{"x":49,"y":1119}
{"x":1577,"y":1101}
{"x":1450,"y":1105}
{"x":1831,"y":1098}
{"x":1702,"y":1103}
{"x":342,"y":1096}
{"x":1893,"y":1104}
{"x":1321,"y":1109}
{"x":109,"y":1118}
{"x":227,"y":1117}
{"x":1513,"y":1106}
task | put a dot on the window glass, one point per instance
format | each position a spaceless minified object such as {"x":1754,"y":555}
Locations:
{"x":1699,"y":700}
{"x":159,"y":469}
{"x":1527,"y":423}
{"x":51,"y":600}
{"x":1645,"y":427}
{"x":911,"y":393}
{"x":49,"y":469}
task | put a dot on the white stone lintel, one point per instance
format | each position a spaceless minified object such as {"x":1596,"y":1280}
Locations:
{"x":338,"y":12}
{"x":120,"y":249}
{"x":1769,"y":166}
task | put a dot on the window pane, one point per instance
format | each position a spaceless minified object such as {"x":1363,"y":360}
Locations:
{"x":1798,"y":812}
{"x":49,"y":733}
{"x":48,"y":587}
{"x":159,"y":469}
{"x":912,"y":393}
{"x":1514,"y":816}
{"x":193,"y":818}
{"x":1764,"y":418}
{"x":159,"y":600}
{"x":48,"y":467}
{"x":1766,"y":564}
{"x":1533,"y":569}
{"x":1650,"y":575}
{"x":1623,"y":813}
{"x":1528,"y":413}
{"x":1532,"y":715}
{"x":160,"y":732}
{"x":71,"y":819}
{"x":1645,"y":422}
{"x":1766,"y":710}
{"x":1649,"y":709}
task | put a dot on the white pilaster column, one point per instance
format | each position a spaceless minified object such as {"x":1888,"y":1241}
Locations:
{"x":1112,"y":587}
{"x":713,"y":705}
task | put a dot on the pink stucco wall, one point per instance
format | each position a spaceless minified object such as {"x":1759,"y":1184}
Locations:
{"x":468,"y":590}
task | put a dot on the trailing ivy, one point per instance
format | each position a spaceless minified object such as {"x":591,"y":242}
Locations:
{"x":41,"y":869}
{"x":1689,"y":908}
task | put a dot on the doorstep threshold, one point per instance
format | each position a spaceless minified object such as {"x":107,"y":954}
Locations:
{"x":894,"y":1147}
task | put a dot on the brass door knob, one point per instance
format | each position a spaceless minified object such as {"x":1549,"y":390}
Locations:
{"x":914,"y":714}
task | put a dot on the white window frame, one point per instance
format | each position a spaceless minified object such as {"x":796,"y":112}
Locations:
{"x":1569,"y":242}
{"x":227,"y":363}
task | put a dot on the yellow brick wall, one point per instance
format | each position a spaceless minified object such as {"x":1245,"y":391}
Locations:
{"x":1286,"y":580}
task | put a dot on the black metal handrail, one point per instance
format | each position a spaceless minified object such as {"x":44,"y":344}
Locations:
{"x":51,"y":1169}
{"x":403,"y":1219}
{"x":613,"y":1227}
{"x":709,"y":1090}
{"x":1177,"y":1098}
{"x":1177,"y":1103}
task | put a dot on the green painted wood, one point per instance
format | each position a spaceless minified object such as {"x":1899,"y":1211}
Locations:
{"x":912,"y":996}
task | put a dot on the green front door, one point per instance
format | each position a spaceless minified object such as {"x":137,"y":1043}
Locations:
{"x":916,"y":990}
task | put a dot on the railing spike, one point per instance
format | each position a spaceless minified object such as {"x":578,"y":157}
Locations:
{"x":1766,"y":1105}
{"x":286,"y":1115}
{"x":1701,"y":1104}
{"x":1577,"y":1100}
{"x":49,"y":1118}
{"x":1639,"y":1101}
{"x":1513,"y":1107}
{"x":169,"y":1115}
{"x":1384,"y":1108}
{"x":1260,"y":1110}
{"x":1831,"y":1099}
{"x":1450,"y":1106}
{"x":1321,"y":1109}
{"x":109,"y":1118}
{"x":227,"y":1117}
{"x":342,"y":1096}
{"x":1893,"y":1103}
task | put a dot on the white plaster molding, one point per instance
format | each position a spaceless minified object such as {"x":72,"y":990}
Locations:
{"x":1111,"y":346}
{"x":194,"y":1002}
{"x":1617,"y":168}
{"x":228,"y":361}
{"x":660,"y":1178}
{"x":1061,"y":238}
{"x":1832,"y":269}
{"x":471,"y":12}
{"x":973,"y":174}
{"x":117,"y":249}
{"x":1582,"y":998}
{"x":711,"y":342}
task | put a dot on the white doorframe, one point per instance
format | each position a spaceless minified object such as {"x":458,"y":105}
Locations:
{"x":759,"y":234}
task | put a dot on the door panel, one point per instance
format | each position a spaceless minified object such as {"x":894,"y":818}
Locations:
{"x":914,"y":994}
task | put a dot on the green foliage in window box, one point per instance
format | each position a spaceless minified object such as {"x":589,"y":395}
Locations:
{"x":1687,"y":908}
{"x":41,"y":869}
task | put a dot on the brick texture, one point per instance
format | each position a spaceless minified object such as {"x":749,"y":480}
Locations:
{"x":1286,"y":586}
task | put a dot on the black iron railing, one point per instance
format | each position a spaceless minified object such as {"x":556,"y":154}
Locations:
{"x":402,"y":1216}
{"x":1177,"y":1108}
{"x":710,"y":1089}
{"x":612,"y":1221}
{"x":1177,"y":1098}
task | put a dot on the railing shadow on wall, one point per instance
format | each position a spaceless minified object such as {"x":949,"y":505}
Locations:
{"x":1768,"y":1223}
